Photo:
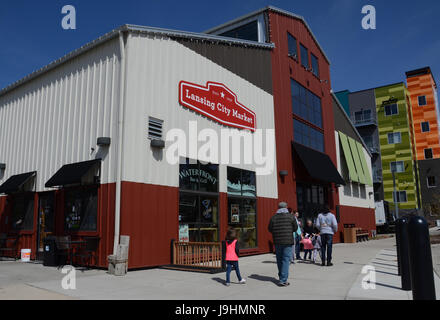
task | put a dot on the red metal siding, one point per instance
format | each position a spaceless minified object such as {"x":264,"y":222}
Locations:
{"x":362,"y":218}
{"x":284,"y":68}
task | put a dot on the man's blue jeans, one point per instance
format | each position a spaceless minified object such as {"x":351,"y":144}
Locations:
{"x":284,"y":254}
{"x":326,"y":245}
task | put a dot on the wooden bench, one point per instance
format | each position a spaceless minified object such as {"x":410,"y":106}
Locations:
{"x":9,"y":245}
{"x":362,"y":235}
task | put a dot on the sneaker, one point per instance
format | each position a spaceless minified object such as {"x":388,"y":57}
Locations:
{"x":227,"y":284}
{"x":242,"y":281}
{"x":329,"y":264}
{"x":284,"y":284}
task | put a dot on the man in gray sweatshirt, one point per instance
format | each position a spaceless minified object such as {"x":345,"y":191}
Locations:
{"x":327,"y":226}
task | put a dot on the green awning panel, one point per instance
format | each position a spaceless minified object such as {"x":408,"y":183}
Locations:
{"x":348,"y":157}
{"x":357,"y":160}
{"x":367,"y":173}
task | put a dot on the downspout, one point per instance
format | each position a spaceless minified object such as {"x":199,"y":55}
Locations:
{"x":120,"y":142}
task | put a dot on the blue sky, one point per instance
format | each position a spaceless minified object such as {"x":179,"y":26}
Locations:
{"x":407,"y":34}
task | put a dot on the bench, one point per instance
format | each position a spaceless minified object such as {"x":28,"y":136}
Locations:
{"x":9,"y":245}
{"x":361,"y":235}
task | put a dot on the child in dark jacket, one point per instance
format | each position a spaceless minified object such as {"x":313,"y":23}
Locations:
{"x":232,"y":253}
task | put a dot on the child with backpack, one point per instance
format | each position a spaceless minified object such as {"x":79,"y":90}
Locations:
{"x":232,"y":253}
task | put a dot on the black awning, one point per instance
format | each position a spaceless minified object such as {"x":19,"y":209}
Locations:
{"x":14,"y":183}
{"x":318,"y":165}
{"x":71,"y":173}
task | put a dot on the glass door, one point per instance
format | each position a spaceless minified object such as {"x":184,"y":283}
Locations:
{"x":46,"y":220}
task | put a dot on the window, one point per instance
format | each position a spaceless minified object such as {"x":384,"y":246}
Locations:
{"x":248,"y":31}
{"x":315,"y":65}
{"x":154,"y":128}
{"x":394,"y":137}
{"x":304,"y":56}
{"x":362,"y":116}
{"x":241,"y":182}
{"x":308,"y":136}
{"x":81,"y":209}
{"x":198,"y":201}
{"x":292,"y":46}
{"x":306,"y":104}
{"x":242,"y":205}
{"x":23,"y":212}
{"x":400,"y":196}
{"x":422,"y":100}
{"x":425,"y":126}
{"x":428,"y":153}
{"x":391,"y":109}
{"x":397,"y":166}
{"x":432,"y":183}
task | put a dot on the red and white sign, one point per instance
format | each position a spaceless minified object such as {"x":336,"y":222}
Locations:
{"x":218,"y":102}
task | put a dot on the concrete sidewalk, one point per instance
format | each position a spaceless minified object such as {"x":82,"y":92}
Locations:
{"x":308,"y":281}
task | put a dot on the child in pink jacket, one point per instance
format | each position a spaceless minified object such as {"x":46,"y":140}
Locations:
{"x":232,"y":253}
{"x":308,"y":246}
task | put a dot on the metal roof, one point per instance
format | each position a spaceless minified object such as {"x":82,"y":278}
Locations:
{"x":140,"y":29}
{"x":274,"y":9}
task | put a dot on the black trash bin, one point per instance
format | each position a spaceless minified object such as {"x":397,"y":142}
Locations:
{"x":50,"y":252}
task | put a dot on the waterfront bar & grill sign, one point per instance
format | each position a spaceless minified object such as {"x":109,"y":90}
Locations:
{"x":217,"y":102}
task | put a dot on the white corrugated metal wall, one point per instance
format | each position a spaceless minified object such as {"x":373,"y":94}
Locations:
{"x":156,"y":64}
{"x":56,"y":118}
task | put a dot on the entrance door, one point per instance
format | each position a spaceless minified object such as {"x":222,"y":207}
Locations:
{"x":46,"y":220}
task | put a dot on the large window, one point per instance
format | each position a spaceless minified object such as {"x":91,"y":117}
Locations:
{"x":315,"y":65}
{"x":394,"y":137}
{"x":308,"y":136}
{"x":292,"y":46}
{"x":400,"y":196}
{"x":391,"y":109}
{"x":23,"y":212}
{"x":363,"y":116}
{"x":304,"y":56}
{"x":81,"y":209}
{"x":305,"y":104}
{"x":397,"y":166}
{"x":198,"y":201}
{"x":246,"y":32}
{"x":242,"y":205}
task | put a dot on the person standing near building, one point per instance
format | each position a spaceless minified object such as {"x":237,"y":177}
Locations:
{"x":282,"y":225}
{"x":232,"y":253}
{"x":327,"y":225}
{"x":298,"y":237}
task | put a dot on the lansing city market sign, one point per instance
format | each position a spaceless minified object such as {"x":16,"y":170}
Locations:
{"x":217,"y":102}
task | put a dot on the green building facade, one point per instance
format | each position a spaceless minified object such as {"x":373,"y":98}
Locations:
{"x":397,"y":146}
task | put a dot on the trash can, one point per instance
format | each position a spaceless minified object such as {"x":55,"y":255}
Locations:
{"x":50,"y":252}
{"x":349,"y":233}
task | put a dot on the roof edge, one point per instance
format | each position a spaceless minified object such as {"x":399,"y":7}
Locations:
{"x":274,"y":9}
{"x":131,"y":28}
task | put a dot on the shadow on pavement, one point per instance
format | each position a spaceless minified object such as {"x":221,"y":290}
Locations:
{"x":219,"y":280}
{"x":264,"y":278}
{"x":393,"y":274}
{"x":387,"y":286}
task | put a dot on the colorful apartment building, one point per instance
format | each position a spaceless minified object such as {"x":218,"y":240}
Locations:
{"x":397,"y":147}
{"x":425,"y":115}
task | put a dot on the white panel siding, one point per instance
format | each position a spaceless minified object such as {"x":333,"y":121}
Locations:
{"x":56,"y":118}
{"x":155,"y":67}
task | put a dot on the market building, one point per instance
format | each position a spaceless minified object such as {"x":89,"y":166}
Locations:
{"x":304,"y":121}
{"x":84,"y":153}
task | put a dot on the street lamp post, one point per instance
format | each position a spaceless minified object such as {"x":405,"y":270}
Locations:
{"x":396,"y":204}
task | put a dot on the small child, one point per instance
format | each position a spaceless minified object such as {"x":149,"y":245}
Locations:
{"x":308,"y":246}
{"x":316,"y":241}
{"x":232,"y":250}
